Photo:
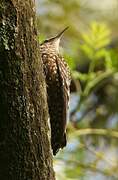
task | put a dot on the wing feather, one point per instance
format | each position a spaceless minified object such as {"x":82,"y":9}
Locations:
{"x":65,"y":79}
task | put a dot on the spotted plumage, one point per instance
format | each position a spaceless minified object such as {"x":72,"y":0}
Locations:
{"x":57,"y":74}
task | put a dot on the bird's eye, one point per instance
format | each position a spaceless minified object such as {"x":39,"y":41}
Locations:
{"x":45,"y":41}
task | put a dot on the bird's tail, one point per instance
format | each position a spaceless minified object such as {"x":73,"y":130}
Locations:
{"x":58,"y":144}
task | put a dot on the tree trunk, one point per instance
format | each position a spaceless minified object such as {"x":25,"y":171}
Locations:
{"x":24,"y":143}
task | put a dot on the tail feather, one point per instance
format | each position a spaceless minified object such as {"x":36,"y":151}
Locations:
{"x":59,"y":144}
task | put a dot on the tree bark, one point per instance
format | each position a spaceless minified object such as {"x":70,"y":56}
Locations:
{"x":24,"y":141}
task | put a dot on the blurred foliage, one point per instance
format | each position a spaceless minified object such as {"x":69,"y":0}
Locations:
{"x":91,"y":50}
{"x":101,"y":64}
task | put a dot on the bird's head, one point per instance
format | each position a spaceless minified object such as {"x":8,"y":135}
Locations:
{"x":53,"y":43}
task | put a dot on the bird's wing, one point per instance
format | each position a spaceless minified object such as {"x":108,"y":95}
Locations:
{"x":65,"y":79}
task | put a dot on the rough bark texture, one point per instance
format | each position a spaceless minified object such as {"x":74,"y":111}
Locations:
{"x":24,"y":146}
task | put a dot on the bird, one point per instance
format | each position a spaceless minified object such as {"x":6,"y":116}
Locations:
{"x":58,"y":78}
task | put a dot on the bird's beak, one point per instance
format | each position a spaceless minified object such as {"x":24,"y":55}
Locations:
{"x":61,"y":33}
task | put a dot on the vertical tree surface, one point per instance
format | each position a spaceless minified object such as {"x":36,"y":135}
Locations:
{"x":24,"y":142}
